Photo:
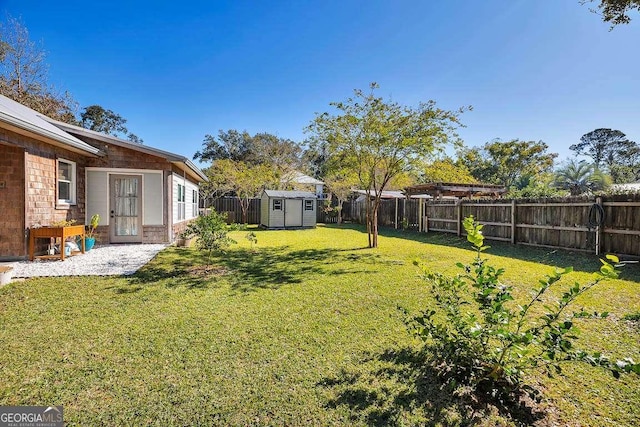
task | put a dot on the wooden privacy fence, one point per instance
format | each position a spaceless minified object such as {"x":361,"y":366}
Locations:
{"x":230,"y":206}
{"x":605,"y":225}
{"x":600,"y":225}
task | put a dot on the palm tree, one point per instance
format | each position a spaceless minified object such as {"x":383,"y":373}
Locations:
{"x":581,"y":177}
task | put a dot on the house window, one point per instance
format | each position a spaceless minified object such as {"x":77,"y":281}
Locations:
{"x":66,"y":182}
{"x":308,"y":205}
{"x":277,"y":204}
{"x":181,"y":202}
{"x":194,"y":205}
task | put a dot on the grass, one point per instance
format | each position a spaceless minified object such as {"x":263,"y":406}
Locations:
{"x":302,"y":330}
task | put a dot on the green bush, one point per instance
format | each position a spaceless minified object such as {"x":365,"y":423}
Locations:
{"x":211,"y":232}
{"x":477,"y":337}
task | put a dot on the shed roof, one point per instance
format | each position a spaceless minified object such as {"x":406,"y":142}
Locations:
{"x":290,"y":194}
{"x":23,"y":119}
{"x":181,"y":162}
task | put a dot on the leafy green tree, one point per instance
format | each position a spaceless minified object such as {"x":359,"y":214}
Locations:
{"x":211,"y":233}
{"x":341,"y":183}
{"x":580,"y":177}
{"x":611,"y":151}
{"x":505,"y":163}
{"x":615,"y":12}
{"x":99,"y":119}
{"x":24,"y":74}
{"x":379,"y":140}
{"x":445,"y":170}
{"x":536,"y":187}
{"x":316,"y":159}
{"x":241,"y":178}
{"x":260,"y":149}
{"x":230,"y":145}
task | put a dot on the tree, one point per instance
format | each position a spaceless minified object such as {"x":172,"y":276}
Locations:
{"x":99,"y":119}
{"x":580,"y":177}
{"x":241,"y":178}
{"x":230,"y":145}
{"x":24,"y":73}
{"x":341,"y":183}
{"x":505,"y":163}
{"x":211,"y":233}
{"x":445,"y":170}
{"x":612,"y":152}
{"x":316,"y":159}
{"x":615,"y":11}
{"x":260,"y":149}
{"x":536,"y":187}
{"x":281,"y":153}
{"x":380,"y":140}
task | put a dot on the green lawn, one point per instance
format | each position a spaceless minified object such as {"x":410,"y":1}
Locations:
{"x":304,"y":330}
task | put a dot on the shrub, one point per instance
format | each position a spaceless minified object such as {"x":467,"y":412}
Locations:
{"x":478,"y":338}
{"x":211,"y":232}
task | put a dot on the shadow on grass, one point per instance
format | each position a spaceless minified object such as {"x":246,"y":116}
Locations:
{"x":580,"y":261}
{"x":172,"y":269}
{"x":272,"y":267}
{"x":244,"y":269}
{"x":398,"y":385}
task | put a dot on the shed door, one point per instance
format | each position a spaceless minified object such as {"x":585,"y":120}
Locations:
{"x":125,"y":225}
{"x":293,"y":213}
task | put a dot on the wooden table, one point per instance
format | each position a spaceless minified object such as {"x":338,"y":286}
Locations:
{"x":48,"y":232}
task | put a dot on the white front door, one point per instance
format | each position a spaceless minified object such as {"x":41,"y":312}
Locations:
{"x":292,"y":213}
{"x":125,"y":209}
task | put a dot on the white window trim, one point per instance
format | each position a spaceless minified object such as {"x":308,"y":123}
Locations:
{"x":194,"y":203}
{"x":182,"y":203}
{"x":73,"y":183}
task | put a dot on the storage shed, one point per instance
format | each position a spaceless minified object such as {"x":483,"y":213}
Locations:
{"x":287,"y":209}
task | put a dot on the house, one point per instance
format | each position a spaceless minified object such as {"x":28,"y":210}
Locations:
{"x":298,"y":179}
{"x":287,"y":209}
{"x":52,"y":171}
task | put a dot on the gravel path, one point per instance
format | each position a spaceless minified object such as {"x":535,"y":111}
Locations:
{"x":99,"y":261}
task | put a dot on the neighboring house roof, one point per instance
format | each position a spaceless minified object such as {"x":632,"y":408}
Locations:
{"x":634,"y":186}
{"x":300,"y":178}
{"x":290,"y":194}
{"x":392,"y":194}
{"x":21,"y":118}
{"x":438,"y":189}
{"x":183,"y":163}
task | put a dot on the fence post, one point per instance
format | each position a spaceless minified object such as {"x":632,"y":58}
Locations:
{"x":459,"y":217}
{"x":396,"y":216}
{"x":599,"y":229}
{"x":419,"y":215}
{"x":513,"y":221}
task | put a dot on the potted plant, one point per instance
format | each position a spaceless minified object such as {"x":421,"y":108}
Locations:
{"x":90,"y":233}
{"x":185,"y":239}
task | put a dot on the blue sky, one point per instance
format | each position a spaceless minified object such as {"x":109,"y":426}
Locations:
{"x":531,"y":69}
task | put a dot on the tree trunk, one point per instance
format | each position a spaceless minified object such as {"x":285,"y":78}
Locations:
{"x":340,"y":202}
{"x":368,"y":220}
{"x":244,"y":205}
{"x":374,"y":221}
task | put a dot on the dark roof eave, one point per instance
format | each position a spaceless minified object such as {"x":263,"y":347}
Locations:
{"x":75,"y":146}
{"x":171,"y":157}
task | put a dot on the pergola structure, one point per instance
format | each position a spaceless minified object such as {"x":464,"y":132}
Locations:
{"x":451,"y":189}
{"x":438,"y":190}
